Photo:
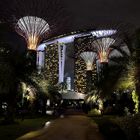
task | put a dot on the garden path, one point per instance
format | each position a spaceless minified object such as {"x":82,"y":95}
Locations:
{"x":69,"y":127}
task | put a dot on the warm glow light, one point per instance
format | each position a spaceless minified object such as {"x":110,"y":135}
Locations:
{"x":32,"y":29}
{"x":103,"y":55}
{"x":88,"y":57}
{"x":32,"y":42}
{"x":102,"y":47}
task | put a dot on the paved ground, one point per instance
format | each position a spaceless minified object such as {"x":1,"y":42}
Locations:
{"x":71,"y":127}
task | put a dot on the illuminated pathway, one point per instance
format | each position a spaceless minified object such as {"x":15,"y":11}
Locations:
{"x":74,"y":127}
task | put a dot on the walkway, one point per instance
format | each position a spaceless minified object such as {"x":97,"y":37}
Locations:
{"x":73,"y":127}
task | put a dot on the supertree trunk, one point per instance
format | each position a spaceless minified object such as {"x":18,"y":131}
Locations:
{"x":89,"y":80}
{"x":31,"y":60}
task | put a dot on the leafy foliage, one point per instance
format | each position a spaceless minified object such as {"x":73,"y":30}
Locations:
{"x":131,"y":126}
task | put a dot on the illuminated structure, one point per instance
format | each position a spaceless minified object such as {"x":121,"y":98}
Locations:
{"x":61,"y":53}
{"x":40,"y":60}
{"x":96,"y":42}
{"x":81,"y":75}
{"x":89,"y":58}
{"x":55,"y":62}
{"x":35,"y":20}
{"x":103,"y":48}
{"x":68,"y":82}
{"x":32,"y":29}
{"x":103,"y":33}
{"x":52,"y":63}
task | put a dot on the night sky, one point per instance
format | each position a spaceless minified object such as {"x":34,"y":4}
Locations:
{"x":92,"y":14}
{"x":96,"y":13}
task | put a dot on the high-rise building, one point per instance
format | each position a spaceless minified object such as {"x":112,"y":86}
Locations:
{"x":51,"y":63}
{"x":81,"y":77}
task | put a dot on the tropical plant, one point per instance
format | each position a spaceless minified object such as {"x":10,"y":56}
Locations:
{"x":8,"y":80}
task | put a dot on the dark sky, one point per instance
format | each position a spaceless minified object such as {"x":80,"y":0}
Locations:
{"x":93,"y":14}
{"x":98,"y":12}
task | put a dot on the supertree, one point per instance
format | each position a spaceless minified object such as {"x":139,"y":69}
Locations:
{"x":103,"y":47}
{"x":112,"y":52}
{"x":32,"y":29}
{"x":35,"y":19}
{"x":89,"y":57}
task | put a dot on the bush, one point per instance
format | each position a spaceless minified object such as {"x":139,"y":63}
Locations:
{"x":94,"y":112}
{"x":112,"y":131}
{"x":109,"y":128}
{"x":131,"y":126}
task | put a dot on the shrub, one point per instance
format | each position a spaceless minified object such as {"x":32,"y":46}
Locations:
{"x":109,"y":128}
{"x":94,"y":112}
{"x":131,"y":126}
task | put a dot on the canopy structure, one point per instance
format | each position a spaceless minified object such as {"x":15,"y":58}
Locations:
{"x":103,"y":47}
{"x":89,"y":58}
{"x":32,"y":29}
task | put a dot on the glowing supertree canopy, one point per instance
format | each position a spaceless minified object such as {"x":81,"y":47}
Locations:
{"x":33,"y":18}
{"x":32,"y":29}
{"x":102,"y":47}
{"x":89,"y":58}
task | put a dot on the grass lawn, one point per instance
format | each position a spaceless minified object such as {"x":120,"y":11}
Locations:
{"x":11,"y":132}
